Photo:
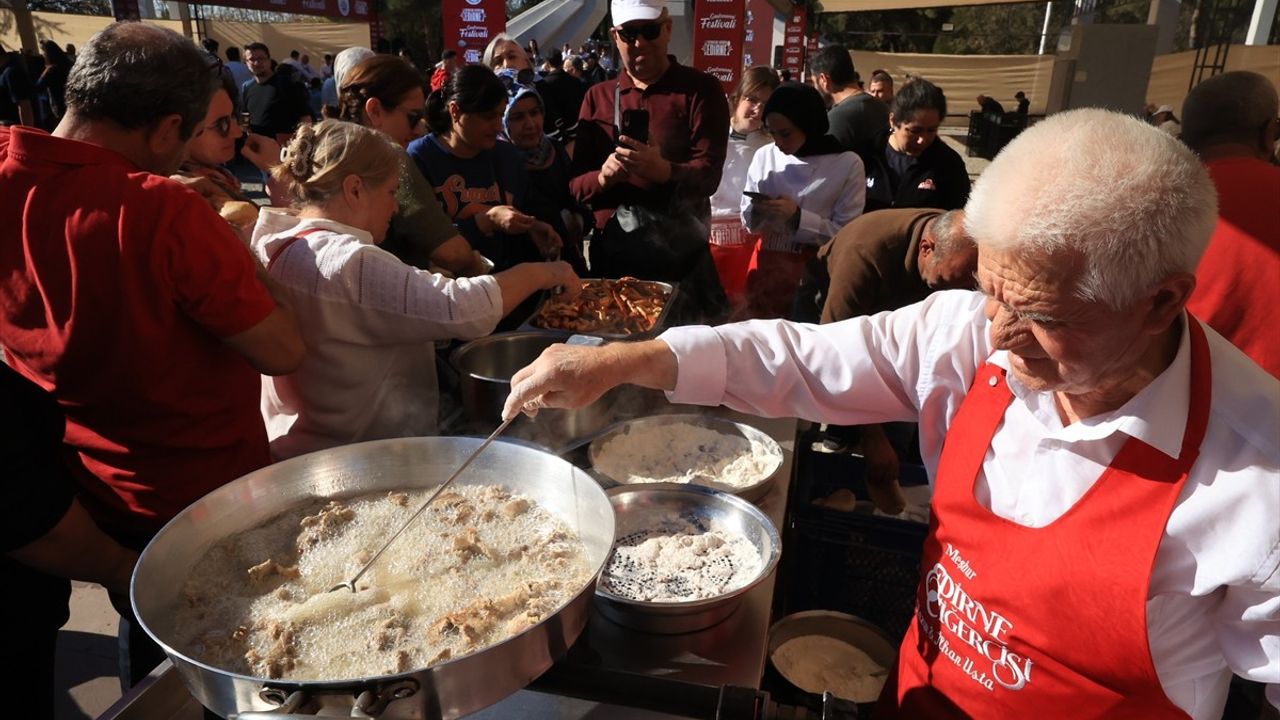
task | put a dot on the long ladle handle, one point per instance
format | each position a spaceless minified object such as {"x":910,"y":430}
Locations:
{"x":352,"y":582}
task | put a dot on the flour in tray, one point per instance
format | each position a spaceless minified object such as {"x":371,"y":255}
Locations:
{"x":680,"y":562}
{"x":684,"y":452}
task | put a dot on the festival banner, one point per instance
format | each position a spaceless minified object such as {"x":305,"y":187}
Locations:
{"x":757,"y":43}
{"x":469,"y":25}
{"x":718,"y":27}
{"x":793,"y":41}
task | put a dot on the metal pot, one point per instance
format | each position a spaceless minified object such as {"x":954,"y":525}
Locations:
{"x":445,"y":690}
{"x":485,"y":367}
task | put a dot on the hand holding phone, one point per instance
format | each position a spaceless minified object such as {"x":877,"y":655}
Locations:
{"x":635,"y":125}
{"x":756,"y":195}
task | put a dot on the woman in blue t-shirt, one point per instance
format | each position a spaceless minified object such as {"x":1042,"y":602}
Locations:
{"x":481,"y":183}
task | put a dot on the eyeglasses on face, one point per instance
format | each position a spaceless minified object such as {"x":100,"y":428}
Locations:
{"x":648,"y":31}
{"x":222,"y":125}
{"x":415,"y":117}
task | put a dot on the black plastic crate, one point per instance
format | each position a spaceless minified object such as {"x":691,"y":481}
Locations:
{"x":853,"y":562}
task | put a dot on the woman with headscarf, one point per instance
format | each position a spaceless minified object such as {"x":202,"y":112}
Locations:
{"x":547,"y":163}
{"x":800,"y":190}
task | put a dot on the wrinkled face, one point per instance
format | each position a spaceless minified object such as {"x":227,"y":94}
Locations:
{"x":524,"y":123}
{"x":746,"y":114}
{"x":1057,"y":342}
{"x":214,"y":142}
{"x":643,"y":47}
{"x":478,"y":129}
{"x":786,"y":135}
{"x":916,"y":134}
{"x":404,"y":122}
{"x":882,"y":91}
{"x":509,"y":55}
{"x":259,"y":63}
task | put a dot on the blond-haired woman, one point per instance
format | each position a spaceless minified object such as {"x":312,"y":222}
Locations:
{"x":369,"y":320}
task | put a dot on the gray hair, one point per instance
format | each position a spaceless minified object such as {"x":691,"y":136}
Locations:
{"x":133,"y":75}
{"x":949,"y":233}
{"x":1232,"y":107}
{"x":1134,"y":203}
{"x":346,"y":60}
{"x":492,"y":48}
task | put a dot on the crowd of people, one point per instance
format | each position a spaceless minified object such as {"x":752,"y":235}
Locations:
{"x":164,"y":333}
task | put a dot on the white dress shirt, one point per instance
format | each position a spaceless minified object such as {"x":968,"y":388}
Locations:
{"x":369,"y":322}
{"x":1213,"y":606}
{"x":726,"y":203}
{"x":830,"y":190}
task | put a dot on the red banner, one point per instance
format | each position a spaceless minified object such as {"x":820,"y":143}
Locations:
{"x":469,"y":25}
{"x":718,"y":27}
{"x":757,"y":44}
{"x":793,"y":41}
{"x":354,"y":10}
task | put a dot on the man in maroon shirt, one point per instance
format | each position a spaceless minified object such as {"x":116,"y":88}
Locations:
{"x":651,"y":195}
{"x":128,"y":299}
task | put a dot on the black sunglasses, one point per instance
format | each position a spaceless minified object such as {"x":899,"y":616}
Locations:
{"x":415,"y":117}
{"x":648,"y":31}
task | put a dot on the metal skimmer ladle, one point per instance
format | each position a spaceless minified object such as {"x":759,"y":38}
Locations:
{"x":351,"y":584}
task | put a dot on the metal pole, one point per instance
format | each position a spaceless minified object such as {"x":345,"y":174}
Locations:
{"x":1044,"y":31}
{"x":1264,"y":14}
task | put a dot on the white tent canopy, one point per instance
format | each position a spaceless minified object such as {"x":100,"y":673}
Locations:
{"x":556,"y":22}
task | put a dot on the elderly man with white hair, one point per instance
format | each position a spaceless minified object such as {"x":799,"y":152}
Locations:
{"x":1106,"y":469}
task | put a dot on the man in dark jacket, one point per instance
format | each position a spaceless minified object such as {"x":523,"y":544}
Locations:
{"x":562,"y":95}
{"x":909,"y":167}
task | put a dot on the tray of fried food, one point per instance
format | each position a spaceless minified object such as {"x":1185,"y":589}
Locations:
{"x":624,"y":308}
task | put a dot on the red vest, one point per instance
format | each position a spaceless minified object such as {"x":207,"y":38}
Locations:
{"x":1050,"y":622}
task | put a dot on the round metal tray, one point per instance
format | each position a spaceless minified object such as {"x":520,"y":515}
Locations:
{"x":751,"y":492}
{"x":642,"y":507}
{"x":853,"y":630}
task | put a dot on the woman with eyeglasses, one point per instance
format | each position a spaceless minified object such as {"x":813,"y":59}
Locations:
{"x":731,"y":249}
{"x":482,"y":184}
{"x":547,"y":163}
{"x":800,"y":190}
{"x":213,"y":146}
{"x":386,"y":94}
{"x":369,"y":320}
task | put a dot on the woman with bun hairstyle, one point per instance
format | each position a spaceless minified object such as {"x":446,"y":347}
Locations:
{"x":385,"y":93}
{"x":482,"y":184}
{"x":369,"y":320}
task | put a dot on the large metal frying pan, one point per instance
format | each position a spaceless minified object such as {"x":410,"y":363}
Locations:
{"x":446,"y":690}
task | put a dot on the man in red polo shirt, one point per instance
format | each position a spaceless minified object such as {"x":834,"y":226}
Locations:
{"x":651,"y":190}
{"x":125,"y":296}
{"x":1230,"y":121}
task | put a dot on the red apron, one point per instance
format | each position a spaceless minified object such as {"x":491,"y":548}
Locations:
{"x":1051,"y":622}
{"x":732,"y":248}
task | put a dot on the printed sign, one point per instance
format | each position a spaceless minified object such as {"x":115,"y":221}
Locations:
{"x":469,"y":25}
{"x":757,"y":43}
{"x":356,"y":10}
{"x":793,"y":41}
{"x":718,"y":29}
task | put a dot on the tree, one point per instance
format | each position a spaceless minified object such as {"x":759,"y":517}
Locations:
{"x":416,"y":24}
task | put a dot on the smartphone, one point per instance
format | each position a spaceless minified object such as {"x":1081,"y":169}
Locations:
{"x":755,"y":195}
{"x":635,"y":124}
